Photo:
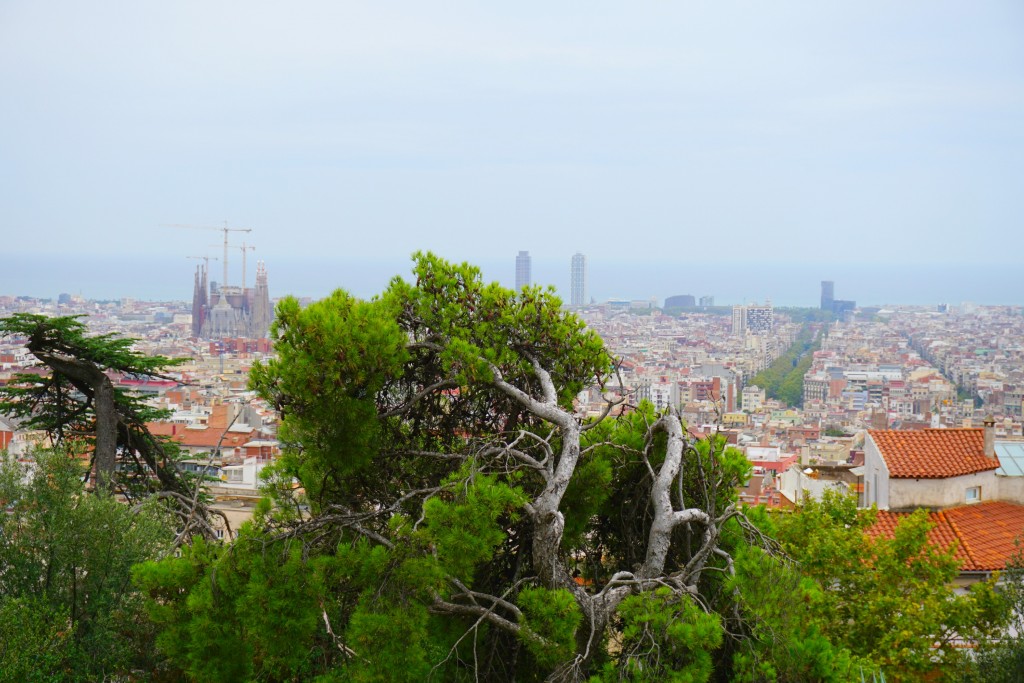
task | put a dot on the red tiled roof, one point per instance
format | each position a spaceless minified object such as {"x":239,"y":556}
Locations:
{"x":989,"y":531}
{"x":985,"y":534}
{"x":201,"y":438}
{"x":933,"y":453}
{"x":941,"y":535}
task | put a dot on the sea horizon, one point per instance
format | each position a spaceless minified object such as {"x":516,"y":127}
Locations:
{"x":784,"y":284}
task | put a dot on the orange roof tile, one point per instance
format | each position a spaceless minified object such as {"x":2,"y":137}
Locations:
{"x":933,"y":453}
{"x":985,"y":534}
{"x":201,"y":438}
{"x":989,"y":531}
{"x":941,"y":535}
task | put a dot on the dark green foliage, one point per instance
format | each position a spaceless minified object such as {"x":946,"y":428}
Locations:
{"x":69,"y":612}
{"x":805,"y":315}
{"x":783,"y":379}
{"x":889,"y":600}
{"x":463,"y":526}
{"x":36,"y":641}
{"x":1002,"y":660}
{"x":665,"y":637}
{"x":77,"y":402}
{"x":415,"y":547}
{"x":249,"y":611}
{"x":555,"y":616}
{"x":59,"y":404}
{"x":781,"y":611}
{"x":612,"y":495}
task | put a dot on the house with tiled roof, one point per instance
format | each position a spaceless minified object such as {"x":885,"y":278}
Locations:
{"x":983,"y":536}
{"x":930,"y":468}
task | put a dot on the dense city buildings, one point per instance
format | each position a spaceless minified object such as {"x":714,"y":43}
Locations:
{"x":754,"y":318}
{"x":578,"y":280}
{"x":523,"y":274}
{"x":930,"y":372}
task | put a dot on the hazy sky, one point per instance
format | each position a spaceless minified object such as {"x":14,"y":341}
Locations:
{"x":670,"y":132}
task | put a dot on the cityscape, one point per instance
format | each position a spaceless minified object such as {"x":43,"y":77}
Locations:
{"x":404,"y":342}
{"x":885,"y":397}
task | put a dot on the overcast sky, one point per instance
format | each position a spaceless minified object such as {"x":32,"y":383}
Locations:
{"x":851,"y":132}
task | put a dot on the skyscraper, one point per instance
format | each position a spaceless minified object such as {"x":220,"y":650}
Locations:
{"x":827,"y":294}
{"x":523,"y":270}
{"x":578,"y":280}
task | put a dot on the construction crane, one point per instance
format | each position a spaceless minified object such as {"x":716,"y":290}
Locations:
{"x":206,"y":260}
{"x":244,"y":249}
{"x":224,"y":229}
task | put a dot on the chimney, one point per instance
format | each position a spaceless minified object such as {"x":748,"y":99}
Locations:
{"x":990,"y":437}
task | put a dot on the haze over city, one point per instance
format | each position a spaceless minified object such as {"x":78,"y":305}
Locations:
{"x":771,"y":428}
{"x":742,"y":151}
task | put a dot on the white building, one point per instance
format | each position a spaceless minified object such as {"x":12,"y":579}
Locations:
{"x":931,"y":468}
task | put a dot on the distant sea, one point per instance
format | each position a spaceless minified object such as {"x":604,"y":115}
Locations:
{"x":786,"y":284}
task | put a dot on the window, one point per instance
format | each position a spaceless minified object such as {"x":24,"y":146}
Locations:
{"x":973,"y":494}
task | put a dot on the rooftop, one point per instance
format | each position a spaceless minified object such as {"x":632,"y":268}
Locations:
{"x":984,"y":535}
{"x":933,"y":453}
{"x":1011,"y":458}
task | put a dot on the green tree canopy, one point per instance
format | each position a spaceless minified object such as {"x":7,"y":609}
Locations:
{"x":68,"y":611}
{"x":890,"y":599}
{"x":77,"y":400}
{"x":458,"y":517}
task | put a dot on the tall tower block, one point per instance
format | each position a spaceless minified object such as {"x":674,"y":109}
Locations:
{"x":578,"y":280}
{"x":828,"y":290}
{"x":523,"y":270}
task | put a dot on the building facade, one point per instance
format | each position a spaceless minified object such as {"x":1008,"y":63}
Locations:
{"x":219,"y":312}
{"x":578,"y":280}
{"x":523,"y":275}
{"x":828,"y":290}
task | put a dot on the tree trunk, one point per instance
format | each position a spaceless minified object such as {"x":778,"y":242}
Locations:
{"x":106,"y":434}
{"x":91,"y":380}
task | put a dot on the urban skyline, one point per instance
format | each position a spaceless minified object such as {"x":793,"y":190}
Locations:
{"x":160,"y":277}
{"x":819,"y":198}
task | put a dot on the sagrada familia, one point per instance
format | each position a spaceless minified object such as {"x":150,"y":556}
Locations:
{"x":220,"y":311}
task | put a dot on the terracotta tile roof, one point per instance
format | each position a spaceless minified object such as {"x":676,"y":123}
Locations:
{"x":933,"y":453}
{"x":989,"y":531}
{"x":941,"y":534}
{"x":201,"y":438}
{"x":985,"y":534}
